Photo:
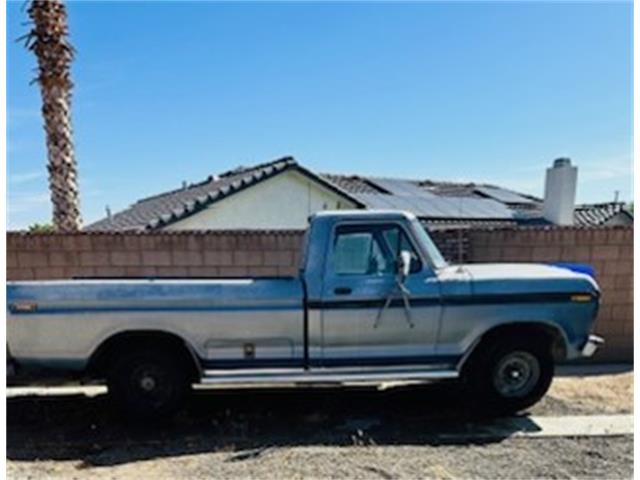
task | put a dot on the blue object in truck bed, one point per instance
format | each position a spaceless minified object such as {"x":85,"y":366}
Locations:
{"x":578,"y":268}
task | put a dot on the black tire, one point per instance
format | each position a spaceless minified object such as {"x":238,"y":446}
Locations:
{"x":509,"y":374}
{"x":148,"y":384}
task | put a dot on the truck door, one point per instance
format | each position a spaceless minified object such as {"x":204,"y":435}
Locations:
{"x":360,"y":275}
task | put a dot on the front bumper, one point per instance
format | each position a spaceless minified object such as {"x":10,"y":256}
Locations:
{"x":591,"y":345}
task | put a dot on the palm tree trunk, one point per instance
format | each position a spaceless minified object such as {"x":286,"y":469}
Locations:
{"x":48,"y":40}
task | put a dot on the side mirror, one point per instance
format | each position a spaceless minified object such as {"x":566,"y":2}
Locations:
{"x":403,"y":265}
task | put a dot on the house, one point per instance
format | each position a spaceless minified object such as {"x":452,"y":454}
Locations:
{"x":282,"y":194}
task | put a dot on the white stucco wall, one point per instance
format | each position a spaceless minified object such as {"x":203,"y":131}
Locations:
{"x":281,"y":202}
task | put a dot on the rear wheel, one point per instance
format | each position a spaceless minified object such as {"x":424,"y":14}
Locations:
{"x":510,"y":374}
{"x":148,"y":384}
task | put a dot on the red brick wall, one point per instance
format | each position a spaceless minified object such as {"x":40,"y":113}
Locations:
{"x":609,"y":250}
{"x":233,"y":253}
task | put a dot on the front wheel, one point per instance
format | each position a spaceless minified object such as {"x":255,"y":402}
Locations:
{"x":511,"y":374}
{"x":148,"y":384}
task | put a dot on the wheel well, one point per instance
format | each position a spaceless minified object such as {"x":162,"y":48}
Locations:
{"x":550,"y":335}
{"x":140,"y":339}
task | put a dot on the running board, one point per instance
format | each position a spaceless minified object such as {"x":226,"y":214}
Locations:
{"x":327,"y":375}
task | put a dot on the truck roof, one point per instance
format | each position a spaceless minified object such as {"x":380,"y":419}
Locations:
{"x":365,"y":214}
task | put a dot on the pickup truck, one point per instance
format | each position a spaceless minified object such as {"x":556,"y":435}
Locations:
{"x":374,"y":302}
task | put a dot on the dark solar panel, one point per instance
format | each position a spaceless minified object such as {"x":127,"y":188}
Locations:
{"x":503,"y":195}
{"x":401,"y":187}
{"x":440,"y":207}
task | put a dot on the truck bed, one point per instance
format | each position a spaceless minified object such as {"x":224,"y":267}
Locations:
{"x":227,"y":321}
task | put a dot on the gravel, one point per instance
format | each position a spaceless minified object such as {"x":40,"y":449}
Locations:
{"x":324,"y":433}
{"x":610,"y":458}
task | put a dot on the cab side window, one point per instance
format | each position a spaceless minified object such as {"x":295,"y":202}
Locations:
{"x":371,"y":250}
{"x":359,"y":252}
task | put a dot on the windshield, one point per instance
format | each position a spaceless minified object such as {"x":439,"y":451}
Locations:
{"x":435,"y":257}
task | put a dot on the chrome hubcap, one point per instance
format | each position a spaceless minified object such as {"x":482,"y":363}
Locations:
{"x":516,"y":374}
{"x":147,"y":383}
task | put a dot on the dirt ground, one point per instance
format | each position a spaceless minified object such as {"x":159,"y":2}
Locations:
{"x":596,"y":393}
{"x":321,"y":433}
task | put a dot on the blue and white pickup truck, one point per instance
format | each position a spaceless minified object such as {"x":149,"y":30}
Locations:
{"x":374,"y":302}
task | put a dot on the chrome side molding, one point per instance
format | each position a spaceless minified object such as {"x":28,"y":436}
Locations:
{"x":326,"y":375}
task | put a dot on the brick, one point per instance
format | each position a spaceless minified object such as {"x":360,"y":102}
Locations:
{"x":622,"y":312}
{"x":14,"y":241}
{"x":32,"y":259}
{"x":49,"y":273}
{"x":545,"y":253}
{"x":29,"y":242}
{"x":523,"y":238}
{"x":247,"y":258}
{"x":615,"y":297}
{"x":619,"y":267}
{"x":584,"y":237}
{"x":172,"y":271}
{"x":218,"y":258}
{"x":49,"y":242}
{"x":147,"y":241}
{"x":623,"y":281}
{"x":203,"y":271}
{"x":576,"y":253}
{"x":516,"y":254}
{"x":111,"y":272}
{"x":616,"y":236}
{"x":69,"y":244}
{"x":249,"y":242}
{"x":479,"y":238}
{"x":79,"y":272}
{"x":20,"y":274}
{"x":567,"y":237}
{"x":482,"y":253}
{"x":605,"y":252}
{"x":140,"y":271}
{"x":12,"y":260}
{"x":106,"y":242}
{"x":187,"y":258}
{"x":606,"y":281}
{"x":125,"y":259}
{"x":264,"y":271}
{"x":278,"y":258}
{"x":269,"y":242}
{"x":626,"y":252}
{"x":163,"y":242}
{"x":156,"y":258}
{"x":94,"y":259}
{"x":178,"y":242}
{"x":289,"y":241}
{"x":219,"y":242}
{"x":605,"y":313}
{"x":195,"y":243}
{"x":131,"y":242}
{"x":234,"y":271}
{"x":63,"y":259}
{"x":598,"y":267}
{"x":82,"y":242}
{"x":600,"y":236}
{"x":287,"y":271}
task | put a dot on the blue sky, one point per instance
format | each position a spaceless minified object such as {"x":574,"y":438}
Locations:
{"x":491,"y":92}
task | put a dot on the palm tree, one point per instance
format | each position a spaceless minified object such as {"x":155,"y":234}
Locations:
{"x":48,"y":40}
